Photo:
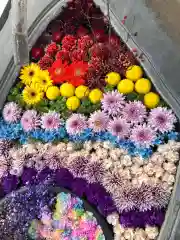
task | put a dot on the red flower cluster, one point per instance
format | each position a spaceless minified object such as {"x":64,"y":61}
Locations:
{"x":45,"y":62}
{"x":74,"y":73}
{"x":85,"y":42}
{"x":78,"y":55}
{"x":69,"y":43}
{"x":63,"y":55}
{"x":37,"y":53}
{"x":52,"y":49}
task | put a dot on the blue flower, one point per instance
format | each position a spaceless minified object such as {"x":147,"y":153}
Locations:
{"x":173,"y":136}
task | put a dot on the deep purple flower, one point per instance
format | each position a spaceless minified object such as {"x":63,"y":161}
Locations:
{"x":28,"y":176}
{"x":106,"y":206}
{"x":63,"y":178}
{"x":162,"y":119}
{"x":9,"y":183}
{"x":94,"y":171}
{"x":119,"y":127}
{"x":79,"y":186}
{"x":45,"y":174}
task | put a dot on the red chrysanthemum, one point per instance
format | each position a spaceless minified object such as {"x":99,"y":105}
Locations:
{"x":58,"y":71}
{"x":76,"y":73}
{"x":81,"y":32}
{"x":69,"y":42}
{"x":52,"y":49}
{"x":85,"y":42}
{"x":45,"y":62}
{"x":37,"y":53}
{"x":63,"y":55}
{"x":99,"y":50}
{"x":78,"y":55}
{"x":57,"y":36}
{"x":99,"y":35}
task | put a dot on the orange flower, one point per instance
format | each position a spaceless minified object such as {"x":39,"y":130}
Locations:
{"x":58,"y":72}
{"x":76,"y":72}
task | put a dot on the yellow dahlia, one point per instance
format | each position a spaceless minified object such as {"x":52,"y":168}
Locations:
{"x":29,"y":72}
{"x":32,"y":95}
{"x":42,"y":81}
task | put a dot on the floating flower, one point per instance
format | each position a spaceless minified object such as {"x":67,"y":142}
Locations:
{"x":42,"y":81}
{"x":28,"y":72}
{"x":134,"y":112}
{"x":51,"y":121}
{"x":32,"y":95}
{"x":143,"y":135}
{"x":76,"y":124}
{"x":162,"y":119}
{"x":98,"y":121}
{"x":58,"y":71}
{"x":76,"y":73}
{"x":112,"y":103}
{"x":30,"y":120}
{"x":11,"y":112}
{"x":45,"y":62}
{"x":69,"y":42}
{"x":52,"y":49}
{"x":119,"y":127}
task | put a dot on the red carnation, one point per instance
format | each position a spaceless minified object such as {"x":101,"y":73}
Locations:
{"x":37,"y":53}
{"x":45,"y":62}
{"x":81,"y":32}
{"x":52,"y":49}
{"x":99,"y":35}
{"x":63,"y":55}
{"x":85,"y":42}
{"x":99,"y":50}
{"x":57,"y":36}
{"x":69,"y":42}
{"x":78,"y":55}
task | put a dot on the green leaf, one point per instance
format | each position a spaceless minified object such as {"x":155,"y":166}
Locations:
{"x":11,"y":98}
{"x":132,"y":96}
{"x":108,"y":88}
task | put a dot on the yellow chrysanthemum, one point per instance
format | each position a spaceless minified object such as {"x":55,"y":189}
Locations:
{"x":42,"y":81}
{"x":29,"y":72}
{"x":32,"y":95}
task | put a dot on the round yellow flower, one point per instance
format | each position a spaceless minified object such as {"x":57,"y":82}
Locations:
{"x":31,"y":95}
{"x":125,"y":86}
{"x":143,"y":86}
{"x":134,"y":73}
{"x":67,"y":90}
{"x":82,"y":91}
{"x":113,"y":78}
{"x":43,"y":80}
{"x":73,"y":103}
{"x":95,"y":95}
{"x":151,"y":100}
{"x":52,"y":92}
{"x":29,"y":72}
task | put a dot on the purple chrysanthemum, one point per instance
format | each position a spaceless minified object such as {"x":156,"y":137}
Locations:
{"x":5,"y":146}
{"x":11,"y":112}
{"x":162,"y":119}
{"x":94,"y":171}
{"x":143,"y":135}
{"x":51,"y":121}
{"x":134,"y":112}
{"x":119,"y":127}
{"x":112,"y":103}
{"x":77,"y":166}
{"x":76,"y":124}
{"x":30,"y":120}
{"x":98,"y":121}
{"x":112,"y":181}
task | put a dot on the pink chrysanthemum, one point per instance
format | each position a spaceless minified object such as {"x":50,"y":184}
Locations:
{"x":143,"y":135}
{"x":11,"y":112}
{"x":119,"y":127}
{"x":112,"y":103}
{"x":134,"y":112}
{"x":76,"y":124}
{"x":51,"y":121}
{"x":98,"y":121}
{"x":30,"y":120}
{"x":162,"y":119}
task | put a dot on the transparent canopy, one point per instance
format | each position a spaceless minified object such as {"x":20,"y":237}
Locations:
{"x":142,"y":30}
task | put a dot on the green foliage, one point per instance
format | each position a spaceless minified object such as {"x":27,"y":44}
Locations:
{"x":87,"y":107}
{"x":108,"y":88}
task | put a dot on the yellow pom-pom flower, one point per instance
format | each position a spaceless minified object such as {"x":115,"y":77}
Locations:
{"x":29,"y":72}
{"x":143,"y":86}
{"x":73,"y":103}
{"x":67,"y":90}
{"x":82,"y":91}
{"x":151,"y":100}
{"x":32,"y":95}
{"x":95,"y":95}
{"x":42,"y":81}
{"x":134,"y":73}
{"x":113,"y":78}
{"x":52,"y":93}
{"x":126,"y":86}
